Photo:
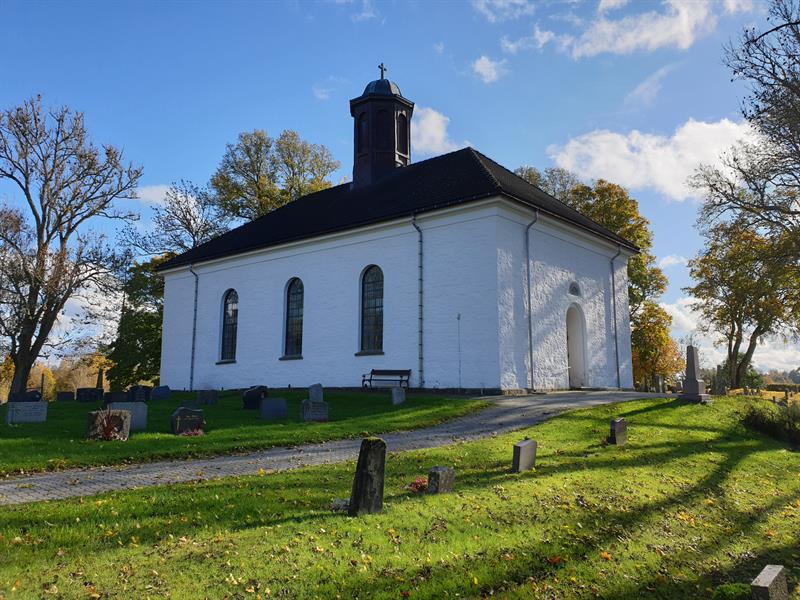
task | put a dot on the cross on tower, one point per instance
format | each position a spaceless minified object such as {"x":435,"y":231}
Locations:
{"x":383,"y":69}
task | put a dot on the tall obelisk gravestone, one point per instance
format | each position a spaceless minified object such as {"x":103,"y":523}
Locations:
{"x":694,"y":389}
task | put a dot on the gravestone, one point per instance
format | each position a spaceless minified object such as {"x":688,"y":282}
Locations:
{"x":770,"y":584}
{"x":398,"y":395}
{"x":273,"y":409}
{"x":694,"y":390}
{"x":89,"y":395}
{"x":252,"y":397}
{"x":314,"y":411}
{"x":441,"y":480}
{"x":26,"y":396}
{"x":619,"y":432}
{"x":138,"y":393}
{"x":206,"y":397}
{"x":99,"y":385}
{"x":366,"y":496}
{"x":186,"y":420}
{"x":138,"y":412}
{"x":108,"y":425}
{"x":26,"y":412}
{"x":161,"y":392}
{"x":524,"y":458}
{"x":117,"y":396}
{"x":65,"y":396}
{"x":315,"y":393}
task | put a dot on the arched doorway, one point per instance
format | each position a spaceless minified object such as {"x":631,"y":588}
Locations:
{"x":576,"y":347}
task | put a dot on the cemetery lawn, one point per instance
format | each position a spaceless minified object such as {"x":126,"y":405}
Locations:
{"x":61,"y":442}
{"x":695,"y":500}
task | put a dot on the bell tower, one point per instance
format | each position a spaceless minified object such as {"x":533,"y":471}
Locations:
{"x":381,"y":130}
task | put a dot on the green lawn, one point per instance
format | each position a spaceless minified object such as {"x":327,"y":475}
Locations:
{"x":61,"y":442}
{"x":693,"y":501}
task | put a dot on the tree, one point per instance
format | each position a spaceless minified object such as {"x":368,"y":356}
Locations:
{"x":654,"y":352}
{"x":744,"y":290}
{"x":136,"y":351}
{"x":48,"y":251}
{"x":189,"y":217}
{"x":749,"y":379}
{"x":555,"y":181}
{"x":259,"y":174}
{"x":609,"y":205}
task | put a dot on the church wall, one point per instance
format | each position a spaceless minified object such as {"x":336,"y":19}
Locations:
{"x":560,"y":256}
{"x":459,"y":278}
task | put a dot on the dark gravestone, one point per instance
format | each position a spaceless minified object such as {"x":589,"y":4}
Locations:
{"x":138,"y":393}
{"x":770,"y":584}
{"x":315,"y":393}
{"x":524,"y":456}
{"x":205,"y":398}
{"x":117,"y":396}
{"x":619,"y":432}
{"x":441,"y":480}
{"x":138,"y":412}
{"x":366,"y":496}
{"x":694,"y":389}
{"x":26,"y":412}
{"x":187,"y":420}
{"x":251,"y":398}
{"x":314,"y":411}
{"x":108,"y":425}
{"x":398,"y":395}
{"x":273,"y":409}
{"x":161,"y":392}
{"x":65,"y":396}
{"x":26,"y":396}
{"x":89,"y":395}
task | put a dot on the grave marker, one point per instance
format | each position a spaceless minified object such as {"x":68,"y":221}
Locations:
{"x":138,"y":412}
{"x":89,"y":395}
{"x":366,"y":496}
{"x":108,"y":425}
{"x":441,"y":480}
{"x":161,"y":392}
{"x":26,"y":396}
{"x":187,"y":420}
{"x":524,"y":458}
{"x":206,"y":397}
{"x":252,"y":397}
{"x":314,"y":411}
{"x":398,"y":395}
{"x":273,"y":409}
{"x":26,"y":412}
{"x":694,"y":389}
{"x":619,"y":432}
{"x":138,"y":393}
{"x":65,"y":396}
{"x":770,"y":584}
{"x":315,"y":393}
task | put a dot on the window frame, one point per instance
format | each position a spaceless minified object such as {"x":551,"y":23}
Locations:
{"x":229,"y":327}
{"x":288,"y":319}
{"x":375,"y":304}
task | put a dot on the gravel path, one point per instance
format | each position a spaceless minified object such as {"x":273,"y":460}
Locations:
{"x":506,"y":414}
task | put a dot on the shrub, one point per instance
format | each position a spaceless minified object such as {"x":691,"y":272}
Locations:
{"x":732,"y":591}
{"x":779,"y":422}
{"x":782,"y":387}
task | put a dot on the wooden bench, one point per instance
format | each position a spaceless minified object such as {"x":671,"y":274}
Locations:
{"x":399,"y":376}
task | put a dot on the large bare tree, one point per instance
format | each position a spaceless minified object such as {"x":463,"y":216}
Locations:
{"x":49,"y":252}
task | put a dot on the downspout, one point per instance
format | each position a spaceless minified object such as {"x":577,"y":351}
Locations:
{"x":194,"y":327}
{"x":614,"y":305}
{"x":530,"y":296}
{"x":420,"y":317}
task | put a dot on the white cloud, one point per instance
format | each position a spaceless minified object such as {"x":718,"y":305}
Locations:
{"x":646,"y":92}
{"x":737,"y":6}
{"x":153,"y":194}
{"x":672,"y":260}
{"x":439,"y":47}
{"x":367,"y":12}
{"x":489,"y":70}
{"x":644,"y":160}
{"x":429,"y":133}
{"x":537,"y":40}
{"x":503,"y":10}
{"x":606,"y":5}
{"x":321,"y":93}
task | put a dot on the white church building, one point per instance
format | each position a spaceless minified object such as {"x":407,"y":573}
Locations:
{"x":452,"y":267}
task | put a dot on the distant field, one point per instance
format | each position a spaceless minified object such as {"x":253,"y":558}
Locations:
{"x":61,"y":442}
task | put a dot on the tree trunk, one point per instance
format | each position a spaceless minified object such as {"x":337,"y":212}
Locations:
{"x":741,"y":368}
{"x":22,"y":370}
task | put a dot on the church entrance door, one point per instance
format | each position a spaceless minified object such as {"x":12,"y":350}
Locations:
{"x":576,"y":352}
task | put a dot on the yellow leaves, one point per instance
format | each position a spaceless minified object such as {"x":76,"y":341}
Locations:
{"x":319,"y":549}
{"x":261,"y":472}
{"x":709,"y":502}
{"x":771,"y":533}
{"x":605,"y":555}
{"x":686,"y":518}
{"x":475,"y":580}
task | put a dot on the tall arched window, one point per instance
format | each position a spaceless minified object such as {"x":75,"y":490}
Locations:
{"x":383,"y":130}
{"x":230,"y":318}
{"x":293,"y":345}
{"x":362,"y":132}
{"x":372,"y":310}
{"x":402,"y":134}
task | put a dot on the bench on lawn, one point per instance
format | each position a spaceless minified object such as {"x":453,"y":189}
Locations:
{"x":398,"y":376}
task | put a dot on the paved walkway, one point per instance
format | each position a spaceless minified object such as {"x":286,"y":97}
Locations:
{"x":506,"y":414}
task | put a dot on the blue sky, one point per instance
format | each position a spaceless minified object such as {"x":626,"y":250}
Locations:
{"x":634,"y":92}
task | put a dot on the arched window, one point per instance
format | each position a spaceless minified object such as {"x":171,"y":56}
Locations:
{"x":372,"y":310}
{"x":383,"y":130}
{"x":230,"y":318}
{"x":293,"y":345}
{"x":362,"y":132}
{"x":402,"y":134}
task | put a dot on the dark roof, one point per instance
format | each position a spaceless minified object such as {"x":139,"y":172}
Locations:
{"x":455,"y":178}
{"x":382,"y":87}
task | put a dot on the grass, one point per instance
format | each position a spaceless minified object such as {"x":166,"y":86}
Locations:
{"x":61,"y":442}
{"x":693,"y":502}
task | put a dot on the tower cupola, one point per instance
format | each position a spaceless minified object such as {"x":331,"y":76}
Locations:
{"x":381,"y":130}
